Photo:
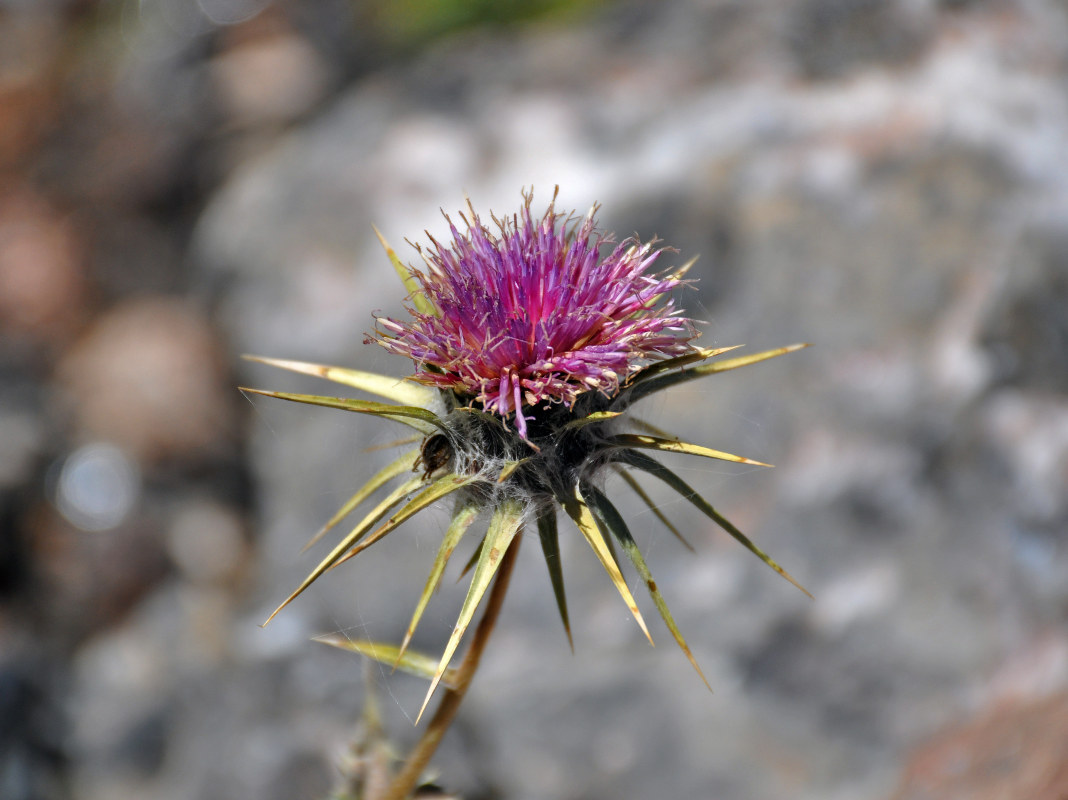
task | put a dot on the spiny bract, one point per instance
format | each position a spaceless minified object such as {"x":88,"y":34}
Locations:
{"x":529,"y":346}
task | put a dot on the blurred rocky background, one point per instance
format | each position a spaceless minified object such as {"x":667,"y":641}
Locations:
{"x":182,"y":182}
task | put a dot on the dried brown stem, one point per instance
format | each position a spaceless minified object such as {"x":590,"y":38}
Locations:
{"x":421,"y":754}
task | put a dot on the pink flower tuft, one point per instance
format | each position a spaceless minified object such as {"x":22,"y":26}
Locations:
{"x":533,"y":313}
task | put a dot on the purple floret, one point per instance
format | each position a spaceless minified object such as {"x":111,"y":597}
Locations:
{"x":533,"y":314}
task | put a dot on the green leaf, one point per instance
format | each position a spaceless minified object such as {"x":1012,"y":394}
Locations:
{"x":470,"y":563}
{"x":505,"y":523}
{"x":638,"y":490}
{"x":577,"y":509}
{"x":379,"y":511}
{"x":414,"y":663}
{"x":550,"y":547}
{"x":649,"y":427}
{"x":508,"y":468}
{"x":661,"y":382}
{"x":461,"y":520}
{"x":397,"y":389}
{"x":655,"y":468}
{"x":439,"y":488}
{"x":660,"y":367}
{"x":418,"y":418}
{"x":596,"y":416}
{"x":415,"y":291}
{"x":406,"y":463}
{"x":609,"y":518}
{"x":374,"y":448}
{"x":674,"y":446}
{"x":684,"y":268}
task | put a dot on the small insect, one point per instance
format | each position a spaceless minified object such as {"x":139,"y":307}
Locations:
{"x":434,"y":453}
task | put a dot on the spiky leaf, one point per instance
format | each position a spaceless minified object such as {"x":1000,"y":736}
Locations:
{"x":406,"y":463}
{"x":400,"y":391}
{"x":550,"y":547}
{"x":418,"y":296}
{"x":379,"y":511}
{"x":655,"y":468}
{"x":419,"y":418}
{"x":662,"y":382}
{"x":470,"y":563}
{"x":505,"y":523}
{"x":439,"y":488}
{"x":645,"y":498}
{"x":414,"y":663}
{"x":508,"y":468}
{"x":589,"y":419}
{"x":660,"y":367}
{"x":577,"y":509}
{"x":461,"y":520}
{"x":608,"y":518}
{"x":674,"y":446}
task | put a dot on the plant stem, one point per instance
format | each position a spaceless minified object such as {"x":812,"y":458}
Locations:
{"x":420,"y":755}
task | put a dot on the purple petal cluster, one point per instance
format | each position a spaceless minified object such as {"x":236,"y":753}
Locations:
{"x":533,"y":313}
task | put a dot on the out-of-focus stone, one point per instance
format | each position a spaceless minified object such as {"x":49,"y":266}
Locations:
{"x":207,"y":542}
{"x":1026,"y":330}
{"x":122,"y":162}
{"x":91,"y":579}
{"x":122,"y":707}
{"x":828,"y":468}
{"x":28,"y":91}
{"x":32,"y":727}
{"x":23,"y":437}
{"x":149,"y":376}
{"x":830,"y":38}
{"x":269,"y":81}
{"x":231,"y":12}
{"x":855,"y":213}
{"x":862,"y":214}
{"x":43,"y":290}
{"x":1038,"y":668}
{"x":1013,"y":751}
{"x":886,"y":264}
{"x":855,"y":597}
{"x":1031,"y":434}
{"x":97,"y":487}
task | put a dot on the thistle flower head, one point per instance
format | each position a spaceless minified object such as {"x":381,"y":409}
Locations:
{"x":538,"y":312}
{"x":531,"y":346}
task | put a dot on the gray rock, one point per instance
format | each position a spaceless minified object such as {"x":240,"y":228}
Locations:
{"x":887,"y":215}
